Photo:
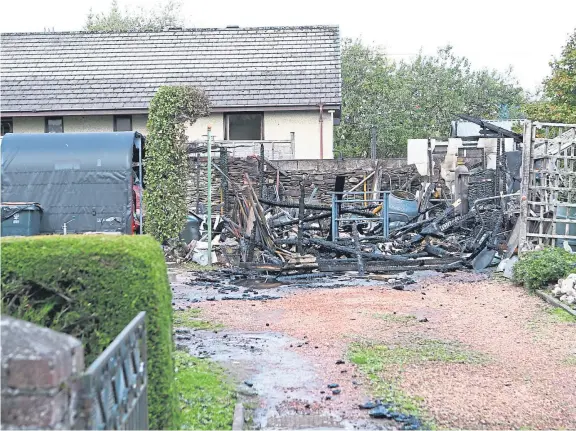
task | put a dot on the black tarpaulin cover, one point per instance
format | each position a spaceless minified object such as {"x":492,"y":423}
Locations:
{"x":83,"y":177}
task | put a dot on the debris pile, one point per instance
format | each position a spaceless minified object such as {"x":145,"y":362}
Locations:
{"x":459,"y":207}
{"x":378,"y":410}
{"x":369,"y":228}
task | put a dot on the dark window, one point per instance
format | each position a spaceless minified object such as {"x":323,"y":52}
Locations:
{"x":54,"y":125}
{"x":244,"y":127}
{"x":7,"y":126}
{"x":122,"y":123}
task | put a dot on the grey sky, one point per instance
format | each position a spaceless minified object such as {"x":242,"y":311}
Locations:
{"x":491,"y":33}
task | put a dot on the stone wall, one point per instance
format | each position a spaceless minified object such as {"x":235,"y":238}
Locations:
{"x":284,"y":177}
{"x":40,"y":368}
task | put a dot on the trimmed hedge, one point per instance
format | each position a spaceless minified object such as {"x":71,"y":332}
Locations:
{"x":91,"y":287}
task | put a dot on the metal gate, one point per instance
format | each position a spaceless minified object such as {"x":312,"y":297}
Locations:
{"x":114,"y":388}
{"x":548,"y":190}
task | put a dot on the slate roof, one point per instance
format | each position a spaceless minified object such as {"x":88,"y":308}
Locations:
{"x":238,"y":68}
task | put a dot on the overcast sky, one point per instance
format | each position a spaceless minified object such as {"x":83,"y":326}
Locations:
{"x":491,"y":33}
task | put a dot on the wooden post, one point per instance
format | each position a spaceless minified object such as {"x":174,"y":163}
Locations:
{"x":209,"y":196}
{"x":525,"y":186}
{"x":301,"y":218}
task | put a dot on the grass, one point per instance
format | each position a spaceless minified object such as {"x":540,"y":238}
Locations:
{"x":371,"y":362}
{"x":206,"y":399}
{"x":416,"y":351}
{"x":190,"y":318}
{"x":377,"y":360}
{"x":560,"y":315}
{"x":546,"y":320}
{"x":570,"y":360}
{"x":396,"y":318}
{"x":193,"y":266}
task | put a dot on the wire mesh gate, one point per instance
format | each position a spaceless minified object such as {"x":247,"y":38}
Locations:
{"x":548,"y":209}
{"x":114,"y":388}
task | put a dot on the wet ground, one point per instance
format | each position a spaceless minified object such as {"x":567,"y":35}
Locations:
{"x":193,"y":287}
{"x":284,"y":344}
{"x":281,"y":388}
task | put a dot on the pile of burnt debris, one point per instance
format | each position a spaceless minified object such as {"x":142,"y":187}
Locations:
{"x":373,"y":227}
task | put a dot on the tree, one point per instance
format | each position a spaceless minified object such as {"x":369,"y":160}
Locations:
{"x":116,"y":20}
{"x":167,"y":166}
{"x":412,"y":99}
{"x":558,"y":101}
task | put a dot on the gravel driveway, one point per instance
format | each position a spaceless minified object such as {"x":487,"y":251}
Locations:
{"x":528,"y":377}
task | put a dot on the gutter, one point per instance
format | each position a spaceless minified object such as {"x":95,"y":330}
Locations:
{"x":136,"y":111}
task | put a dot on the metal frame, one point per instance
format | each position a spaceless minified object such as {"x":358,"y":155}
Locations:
{"x":548,"y":184}
{"x":360,"y":201}
{"x":273,"y":149}
{"x":114,"y":388}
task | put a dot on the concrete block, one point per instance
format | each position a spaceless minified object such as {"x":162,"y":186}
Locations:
{"x":35,"y":411}
{"x":39,"y":370}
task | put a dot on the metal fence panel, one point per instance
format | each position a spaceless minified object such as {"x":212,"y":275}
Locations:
{"x":114,"y":388}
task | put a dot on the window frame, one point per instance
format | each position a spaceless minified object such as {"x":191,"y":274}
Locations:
{"x":8,"y":120}
{"x":46,"y":119}
{"x":227,"y":124}
{"x":115,"y":125}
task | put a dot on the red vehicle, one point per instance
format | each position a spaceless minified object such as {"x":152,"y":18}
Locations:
{"x":136,"y":207}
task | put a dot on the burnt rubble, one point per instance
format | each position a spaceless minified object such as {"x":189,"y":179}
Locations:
{"x":408,"y":225}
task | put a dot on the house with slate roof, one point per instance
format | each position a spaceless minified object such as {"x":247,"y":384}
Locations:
{"x":268,"y":84}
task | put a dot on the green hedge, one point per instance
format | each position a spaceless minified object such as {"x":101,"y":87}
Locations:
{"x":91,"y":287}
{"x":536,"y":269}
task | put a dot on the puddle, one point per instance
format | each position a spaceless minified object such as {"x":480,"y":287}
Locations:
{"x":279,"y":378}
{"x":221,"y":285}
{"x":257,"y":283}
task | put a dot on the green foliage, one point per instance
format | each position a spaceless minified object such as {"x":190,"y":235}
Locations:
{"x":167,"y":167}
{"x":538,"y":268}
{"x":416,"y":351}
{"x":190,"y":318}
{"x":206,"y":399}
{"x":116,"y":20}
{"x":561,"y":315}
{"x":380,"y":363}
{"x":91,"y":287}
{"x":414,"y":99}
{"x":370,"y":363}
{"x":396,"y":318}
{"x":558,"y":103}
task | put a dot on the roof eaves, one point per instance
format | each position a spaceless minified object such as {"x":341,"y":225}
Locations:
{"x":139,"y":111}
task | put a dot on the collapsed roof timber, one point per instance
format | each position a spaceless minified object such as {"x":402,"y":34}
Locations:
{"x":460,"y":212}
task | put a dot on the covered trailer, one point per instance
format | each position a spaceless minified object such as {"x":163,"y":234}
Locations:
{"x":82,"y":181}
